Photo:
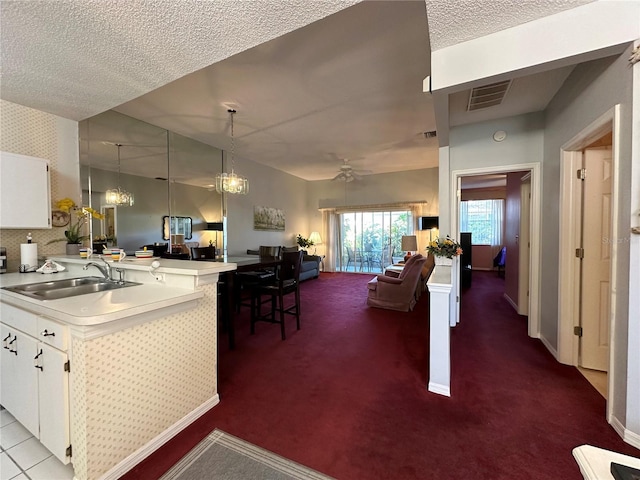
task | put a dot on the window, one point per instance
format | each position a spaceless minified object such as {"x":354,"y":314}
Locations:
{"x":371,"y":239}
{"x":483,"y":218}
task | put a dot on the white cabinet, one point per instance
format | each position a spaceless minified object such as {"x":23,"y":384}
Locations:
{"x":25,"y":199}
{"x":34,"y":386}
{"x":20,"y":397}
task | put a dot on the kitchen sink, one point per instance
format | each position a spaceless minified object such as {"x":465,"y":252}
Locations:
{"x":69,"y":287}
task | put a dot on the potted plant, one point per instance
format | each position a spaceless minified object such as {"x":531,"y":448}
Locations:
{"x":444,"y":249}
{"x":74,"y":235}
{"x":303,"y":243}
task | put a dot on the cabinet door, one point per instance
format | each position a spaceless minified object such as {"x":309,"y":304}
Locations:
{"x":25,"y":201}
{"x":19,"y":382}
{"x":53,"y":382}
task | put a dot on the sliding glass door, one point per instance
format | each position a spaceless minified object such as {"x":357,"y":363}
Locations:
{"x":371,"y":240}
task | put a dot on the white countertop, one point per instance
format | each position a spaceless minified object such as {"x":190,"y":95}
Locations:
{"x":102,"y":307}
{"x":595,"y":463}
{"x":441,"y":276}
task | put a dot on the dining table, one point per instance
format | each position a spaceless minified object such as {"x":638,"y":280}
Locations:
{"x":230,"y":284}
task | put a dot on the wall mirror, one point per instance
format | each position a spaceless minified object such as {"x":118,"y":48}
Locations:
{"x":108,"y":224}
{"x":179,"y":226}
{"x":168,"y":175}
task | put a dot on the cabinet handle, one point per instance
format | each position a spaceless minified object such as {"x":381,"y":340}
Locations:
{"x":16,"y":347}
{"x":4,"y":341}
{"x":47,"y":334}
{"x":36,"y":361}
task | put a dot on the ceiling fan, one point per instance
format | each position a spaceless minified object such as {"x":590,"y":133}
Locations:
{"x":348,"y":174}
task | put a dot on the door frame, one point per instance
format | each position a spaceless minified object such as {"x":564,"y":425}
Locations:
{"x":535,"y":229}
{"x":524,"y":244}
{"x":571,"y":159}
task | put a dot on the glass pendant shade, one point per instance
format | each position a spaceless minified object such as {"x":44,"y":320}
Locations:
{"x":117,"y":196}
{"x":231,"y":183}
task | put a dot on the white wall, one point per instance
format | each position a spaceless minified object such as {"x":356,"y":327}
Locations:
{"x":267,"y":188}
{"x":379,"y":189}
{"x":301,"y":201}
{"x":472,"y":146}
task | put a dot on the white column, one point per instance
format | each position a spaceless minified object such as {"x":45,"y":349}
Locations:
{"x":440,"y":285}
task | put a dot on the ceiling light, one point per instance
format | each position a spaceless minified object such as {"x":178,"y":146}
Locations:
{"x":118,"y":196}
{"x":230,"y":182}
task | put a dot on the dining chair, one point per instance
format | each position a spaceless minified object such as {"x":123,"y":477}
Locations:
{"x":355,"y":257}
{"x":269,"y":251}
{"x":287,"y":283}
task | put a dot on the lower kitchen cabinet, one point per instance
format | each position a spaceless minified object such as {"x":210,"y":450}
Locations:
{"x":34,"y":386}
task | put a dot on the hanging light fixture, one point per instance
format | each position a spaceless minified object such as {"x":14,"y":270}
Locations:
{"x":117,"y":196}
{"x":230,"y":182}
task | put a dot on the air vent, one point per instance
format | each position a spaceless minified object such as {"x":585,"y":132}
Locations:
{"x":431,"y":134}
{"x":488,"y":95}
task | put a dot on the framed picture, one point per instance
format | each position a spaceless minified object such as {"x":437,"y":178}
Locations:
{"x":268,"y":218}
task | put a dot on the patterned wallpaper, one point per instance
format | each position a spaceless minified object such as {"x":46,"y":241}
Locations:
{"x":130,"y":386}
{"x":38,"y":134}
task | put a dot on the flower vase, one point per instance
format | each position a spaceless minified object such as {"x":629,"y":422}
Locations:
{"x":73,"y":248}
{"x":445,"y":261}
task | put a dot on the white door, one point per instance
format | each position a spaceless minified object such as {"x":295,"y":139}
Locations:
{"x":54,"y":401}
{"x":596,"y":241}
{"x":19,"y":382}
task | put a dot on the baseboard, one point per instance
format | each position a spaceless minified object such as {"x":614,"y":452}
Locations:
{"x":439,"y":389}
{"x":143,"y":452}
{"x":511,"y":302}
{"x":631,"y":438}
{"x":550,"y":347}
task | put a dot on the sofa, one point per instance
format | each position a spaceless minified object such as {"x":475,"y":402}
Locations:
{"x":310,"y":267}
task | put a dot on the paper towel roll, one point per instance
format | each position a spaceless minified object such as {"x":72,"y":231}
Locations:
{"x":29,"y":255}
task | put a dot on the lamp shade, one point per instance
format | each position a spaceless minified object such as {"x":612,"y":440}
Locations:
{"x":409,"y":243}
{"x":216,"y":226}
{"x":427,"y":223}
{"x":315,"y":238}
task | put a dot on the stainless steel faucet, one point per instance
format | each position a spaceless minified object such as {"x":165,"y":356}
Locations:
{"x":105,"y":269}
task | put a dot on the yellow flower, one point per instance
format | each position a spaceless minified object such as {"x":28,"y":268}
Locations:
{"x":94,"y":213}
{"x":74,"y":232}
{"x":66,"y":204}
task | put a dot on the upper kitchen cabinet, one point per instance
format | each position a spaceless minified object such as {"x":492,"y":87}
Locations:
{"x":25,"y":198}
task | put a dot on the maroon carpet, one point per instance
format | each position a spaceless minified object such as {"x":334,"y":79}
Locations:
{"x":346,"y":395}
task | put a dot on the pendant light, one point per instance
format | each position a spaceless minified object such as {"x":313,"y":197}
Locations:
{"x":230,"y":182}
{"x":118,"y":196}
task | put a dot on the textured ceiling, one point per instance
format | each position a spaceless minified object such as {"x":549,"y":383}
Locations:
{"x":313,"y":81}
{"x":456,"y":21}
{"x":348,"y":86}
{"x":77,"y":58}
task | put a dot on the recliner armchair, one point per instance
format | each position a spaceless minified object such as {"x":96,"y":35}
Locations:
{"x":397,"y":293}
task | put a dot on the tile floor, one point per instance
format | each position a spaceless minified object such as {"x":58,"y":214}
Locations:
{"x":22,"y":456}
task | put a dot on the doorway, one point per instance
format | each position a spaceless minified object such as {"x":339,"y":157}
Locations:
{"x":588,"y":217}
{"x":533,"y":177}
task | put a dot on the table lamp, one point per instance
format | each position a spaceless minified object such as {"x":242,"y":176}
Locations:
{"x":316,"y":239}
{"x":409,"y":244}
{"x":215,"y":227}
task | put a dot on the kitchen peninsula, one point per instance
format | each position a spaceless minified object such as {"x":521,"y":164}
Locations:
{"x":141,"y":360}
